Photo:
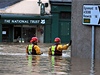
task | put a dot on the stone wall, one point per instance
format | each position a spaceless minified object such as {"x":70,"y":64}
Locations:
{"x":81,"y":35}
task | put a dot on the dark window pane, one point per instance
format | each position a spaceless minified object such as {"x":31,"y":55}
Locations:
{"x":65,"y":15}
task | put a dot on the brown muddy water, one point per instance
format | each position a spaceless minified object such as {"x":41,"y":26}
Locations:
{"x":14,"y":61}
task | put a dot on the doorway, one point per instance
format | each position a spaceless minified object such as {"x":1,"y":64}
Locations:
{"x":17,"y":32}
{"x":27,"y":33}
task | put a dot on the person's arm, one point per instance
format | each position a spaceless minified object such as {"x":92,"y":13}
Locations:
{"x":27,"y":50}
{"x":59,"y":47}
{"x":49,"y":52}
{"x":37,"y":48}
{"x":65,"y":47}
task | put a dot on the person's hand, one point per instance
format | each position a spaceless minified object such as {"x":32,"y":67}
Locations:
{"x":70,"y":42}
{"x":41,"y":52}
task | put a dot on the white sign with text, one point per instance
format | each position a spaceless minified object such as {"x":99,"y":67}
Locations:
{"x":91,"y":14}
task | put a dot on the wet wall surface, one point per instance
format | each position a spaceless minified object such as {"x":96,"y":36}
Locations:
{"x":82,"y":66}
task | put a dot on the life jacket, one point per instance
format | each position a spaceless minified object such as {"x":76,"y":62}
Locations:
{"x":31,"y":50}
{"x":54,"y":50}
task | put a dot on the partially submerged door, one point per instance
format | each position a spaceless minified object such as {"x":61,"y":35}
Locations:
{"x":65,"y":31}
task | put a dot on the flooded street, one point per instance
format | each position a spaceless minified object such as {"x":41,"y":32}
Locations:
{"x":14,"y":61}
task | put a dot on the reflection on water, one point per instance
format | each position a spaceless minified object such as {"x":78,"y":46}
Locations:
{"x":21,"y":64}
{"x":82,"y":66}
{"x":92,"y":69}
{"x":59,"y":65}
{"x":52,"y":65}
{"x":31,"y":65}
{"x":10,"y":65}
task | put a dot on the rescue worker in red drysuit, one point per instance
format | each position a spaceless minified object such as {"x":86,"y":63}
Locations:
{"x":33,"y":48}
{"x":58,"y":48}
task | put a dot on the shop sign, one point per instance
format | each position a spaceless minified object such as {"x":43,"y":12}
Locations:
{"x":10,"y":21}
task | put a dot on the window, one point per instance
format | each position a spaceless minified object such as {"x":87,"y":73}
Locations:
{"x":65,"y":15}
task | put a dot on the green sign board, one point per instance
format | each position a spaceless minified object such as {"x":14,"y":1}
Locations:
{"x":25,"y":19}
{"x":18,"y":21}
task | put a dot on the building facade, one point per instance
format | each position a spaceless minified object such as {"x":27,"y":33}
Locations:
{"x":61,"y":20}
{"x":24,"y":19}
{"x":14,"y":27}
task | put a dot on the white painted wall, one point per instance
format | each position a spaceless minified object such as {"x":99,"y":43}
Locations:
{"x":25,"y":7}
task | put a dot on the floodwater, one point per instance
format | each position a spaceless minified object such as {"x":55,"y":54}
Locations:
{"x":14,"y":61}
